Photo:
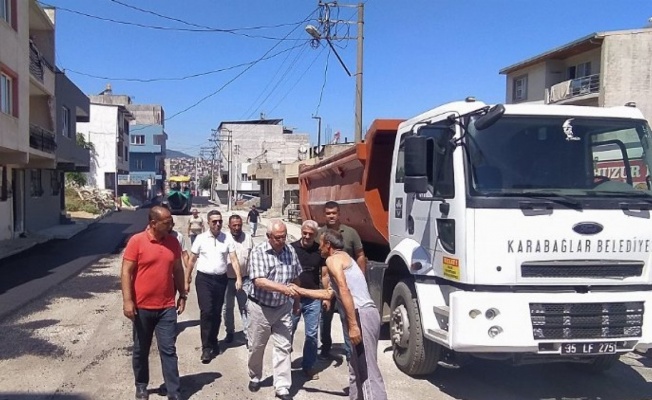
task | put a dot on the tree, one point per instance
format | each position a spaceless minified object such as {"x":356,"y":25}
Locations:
{"x":205,"y":183}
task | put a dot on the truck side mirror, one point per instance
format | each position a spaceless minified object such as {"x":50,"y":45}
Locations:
{"x":416,"y":165}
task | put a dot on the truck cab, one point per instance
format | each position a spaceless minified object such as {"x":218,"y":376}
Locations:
{"x":518,"y":232}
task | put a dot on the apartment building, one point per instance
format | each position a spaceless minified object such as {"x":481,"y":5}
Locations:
{"x":147,"y":144}
{"x":601,"y":69}
{"x":108,"y":131}
{"x":248,"y":144}
{"x":31,"y":177}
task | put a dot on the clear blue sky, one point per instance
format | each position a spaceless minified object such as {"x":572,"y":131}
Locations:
{"x":417,"y":54}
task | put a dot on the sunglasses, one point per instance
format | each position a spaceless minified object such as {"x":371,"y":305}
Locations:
{"x":216,"y":221}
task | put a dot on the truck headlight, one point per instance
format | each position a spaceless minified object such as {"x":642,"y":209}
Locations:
{"x":494,"y":331}
{"x":491,"y":313}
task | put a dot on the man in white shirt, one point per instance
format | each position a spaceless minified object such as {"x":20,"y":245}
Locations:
{"x":210,"y":252}
{"x":243,"y":244}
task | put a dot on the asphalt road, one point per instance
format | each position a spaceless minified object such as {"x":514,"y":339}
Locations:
{"x":28,"y":275}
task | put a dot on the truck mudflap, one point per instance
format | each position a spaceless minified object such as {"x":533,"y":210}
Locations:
{"x":568,"y":324}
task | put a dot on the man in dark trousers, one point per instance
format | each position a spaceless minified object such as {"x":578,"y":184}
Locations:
{"x":210,"y":252}
{"x":312,"y":263}
{"x":252,"y":220}
{"x":151,"y":275}
{"x":353,"y":247}
{"x":361,"y":319}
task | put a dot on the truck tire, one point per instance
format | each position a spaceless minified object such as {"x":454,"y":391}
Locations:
{"x":413,"y":354}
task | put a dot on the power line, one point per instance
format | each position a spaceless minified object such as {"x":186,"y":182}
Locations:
{"x":321,"y":93}
{"x":182,"y":78}
{"x":231,"y":80}
{"x":233,"y":31}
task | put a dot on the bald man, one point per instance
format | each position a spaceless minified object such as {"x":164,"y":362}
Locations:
{"x":151,"y":275}
{"x":273,"y":265}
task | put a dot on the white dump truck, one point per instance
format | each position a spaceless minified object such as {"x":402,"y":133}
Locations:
{"x":514,"y":232}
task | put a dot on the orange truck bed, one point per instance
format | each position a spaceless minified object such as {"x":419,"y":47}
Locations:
{"x":357,"y":179}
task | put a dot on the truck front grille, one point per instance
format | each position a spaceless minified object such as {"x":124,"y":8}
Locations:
{"x":586,"y":320}
{"x":582,"y":269}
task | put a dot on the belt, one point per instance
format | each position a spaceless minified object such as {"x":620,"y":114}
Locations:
{"x":212,"y":275}
{"x":255,"y":300}
{"x":243,"y":278}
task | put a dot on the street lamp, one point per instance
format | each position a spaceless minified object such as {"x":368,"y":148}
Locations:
{"x":316,"y":35}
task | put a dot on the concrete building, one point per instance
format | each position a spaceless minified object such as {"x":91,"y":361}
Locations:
{"x":602,"y":69}
{"x":256,"y":142}
{"x":108,"y":131}
{"x":31,"y":177}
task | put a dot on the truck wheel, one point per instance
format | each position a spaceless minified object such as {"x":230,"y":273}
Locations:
{"x":413,"y":354}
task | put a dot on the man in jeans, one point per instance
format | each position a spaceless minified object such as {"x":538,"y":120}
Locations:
{"x":353,"y":247}
{"x":243,"y":244}
{"x":252,"y":219}
{"x":311,"y":264}
{"x":210,"y":252}
{"x":151,"y":274}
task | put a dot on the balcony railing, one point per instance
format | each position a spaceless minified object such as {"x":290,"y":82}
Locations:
{"x":573,"y":88}
{"x":41,"y":139}
{"x":35,"y":63}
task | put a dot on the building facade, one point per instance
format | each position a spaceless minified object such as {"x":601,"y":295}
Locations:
{"x":31,"y":177}
{"x":250,"y":143}
{"x":108,"y":131}
{"x":148,"y":143}
{"x":602,"y":69}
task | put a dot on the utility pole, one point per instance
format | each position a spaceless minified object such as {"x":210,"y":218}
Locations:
{"x":318,"y":133}
{"x":358,"y":77}
{"x":213,"y":154}
{"x":327,"y":31}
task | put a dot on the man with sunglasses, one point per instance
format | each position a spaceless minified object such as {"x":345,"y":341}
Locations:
{"x":211,"y":252}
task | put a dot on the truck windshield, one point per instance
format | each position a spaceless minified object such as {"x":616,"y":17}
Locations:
{"x":560,"y":156}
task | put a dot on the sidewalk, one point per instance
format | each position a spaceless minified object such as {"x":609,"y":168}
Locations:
{"x":12,"y":247}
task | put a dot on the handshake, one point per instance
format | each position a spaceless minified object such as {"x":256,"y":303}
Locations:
{"x":293,"y":290}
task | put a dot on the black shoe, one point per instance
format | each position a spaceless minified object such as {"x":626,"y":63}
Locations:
{"x":325,"y":354}
{"x":141,"y":392}
{"x":216,"y":350}
{"x":228,"y":338}
{"x":163,"y":390}
{"x":285,"y":396}
{"x":254,"y":386}
{"x":206,"y":356}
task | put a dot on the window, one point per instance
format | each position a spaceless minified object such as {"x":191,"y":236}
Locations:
{"x":36,"y":187}
{"x":443,"y":183}
{"x":126,"y":153}
{"x":65,"y":121}
{"x":55,"y":182}
{"x":520,"y":88}
{"x":138,"y":139}
{"x":579,"y":70}
{"x":159,"y":140}
{"x":6,"y":93}
{"x":3,"y":183}
{"x":5,"y":11}
{"x":139,"y":164}
{"x":244,"y":178}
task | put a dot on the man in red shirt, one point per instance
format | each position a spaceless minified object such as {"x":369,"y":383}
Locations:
{"x":151,"y":274}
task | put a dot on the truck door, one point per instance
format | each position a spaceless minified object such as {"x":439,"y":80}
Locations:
{"x":426,"y":221}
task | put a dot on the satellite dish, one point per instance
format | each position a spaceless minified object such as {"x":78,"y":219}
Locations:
{"x":303,"y":149}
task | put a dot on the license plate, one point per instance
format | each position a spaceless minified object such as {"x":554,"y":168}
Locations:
{"x":588,"y":348}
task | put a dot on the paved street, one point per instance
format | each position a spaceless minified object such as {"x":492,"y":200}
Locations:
{"x":72,"y":343}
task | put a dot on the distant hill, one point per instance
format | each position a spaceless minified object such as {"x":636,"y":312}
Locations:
{"x":176,"y":154}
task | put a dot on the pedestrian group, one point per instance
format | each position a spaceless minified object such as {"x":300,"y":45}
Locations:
{"x":274,"y":283}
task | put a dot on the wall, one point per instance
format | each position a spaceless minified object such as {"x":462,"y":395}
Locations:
{"x":41,"y":211}
{"x":14,"y":55}
{"x":627,"y":70}
{"x":149,"y":162}
{"x":536,"y":83}
{"x":68,"y":95}
{"x":101,"y":131}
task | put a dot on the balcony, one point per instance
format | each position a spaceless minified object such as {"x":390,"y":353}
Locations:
{"x":42,"y":73}
{"x":145,"y":148}
{"x":574,"y":89}
{"x":41,"y":139}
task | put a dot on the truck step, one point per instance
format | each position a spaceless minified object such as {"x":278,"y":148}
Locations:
{"x":441,"y":310}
